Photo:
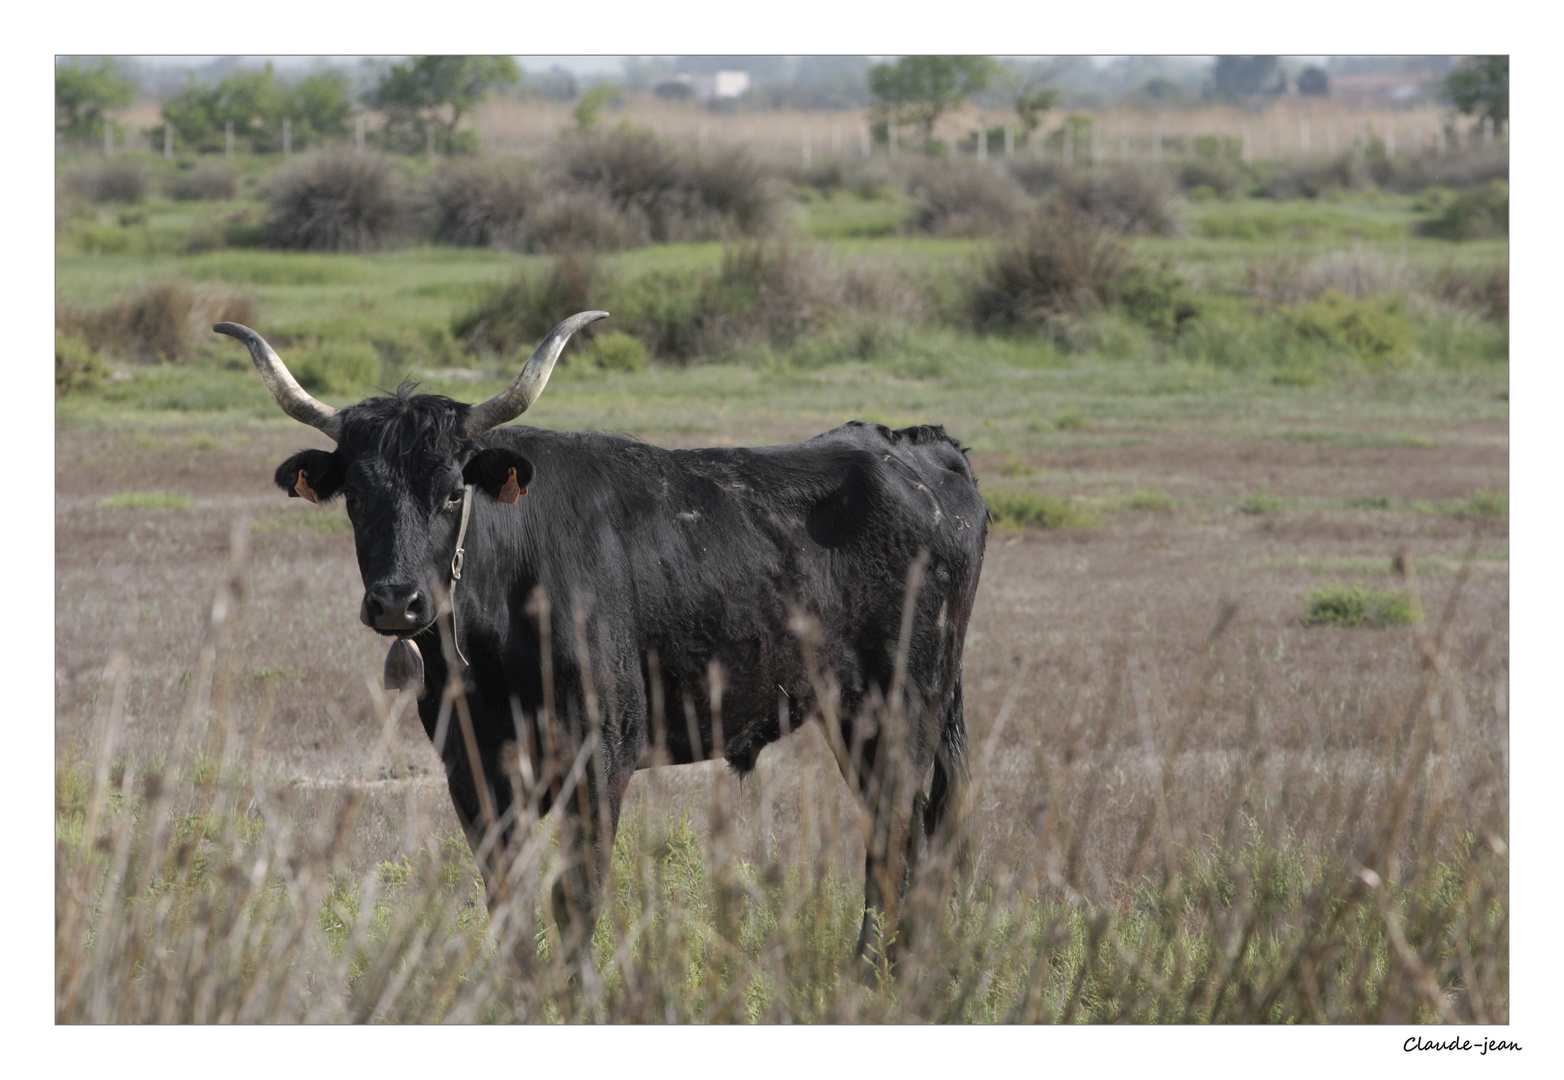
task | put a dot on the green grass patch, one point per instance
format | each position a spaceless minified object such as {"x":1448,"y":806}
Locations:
{"x":1155,"y":501}
{"x":1260,"y":502}
{"x":1484,"y":502}
{"x":1023,"y":509}
{"x":1358,"y":605}
{"x":146,"y":500}
{"x":312,"y":519}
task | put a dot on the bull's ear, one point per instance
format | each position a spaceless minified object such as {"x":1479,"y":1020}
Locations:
{"x":315,"y":475}
{"x":503,"y":474}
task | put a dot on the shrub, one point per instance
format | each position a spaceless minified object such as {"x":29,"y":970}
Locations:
{"x":1158,"y":299}
{"x":1260,"y":502}
{"x":78,"y":367}
{"x":1358,"y":605}
{"x":956,"y":199}
{"x":1485,"y":502}
{"x":1376,"y":331}
{"x":335,"y":367}
{"x":1487,"y":292}
{"x":719,"y":194}
{"x":1128,"y":200}
{"x":517,"y":314}
{"x":1019,"y":509}
{"x":335,"y":201}
{"x":1063,"y":264}
{"x":165,"y":321}
{"x":113,"y":179}
{"x":205,"y":181}
{"x":481,"y":203}
{"x":582,"y":221}
{"x":774,"y":292}
{"x":616,"y":351}
{"x":1039,"y":176}
{"x":1480,"y":212}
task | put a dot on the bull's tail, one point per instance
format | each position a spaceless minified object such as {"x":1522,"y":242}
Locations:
{"x":942,"y":817}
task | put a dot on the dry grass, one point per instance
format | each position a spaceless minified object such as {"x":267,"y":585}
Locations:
{"x":334,"y":200}
{"x":1062,"y":265}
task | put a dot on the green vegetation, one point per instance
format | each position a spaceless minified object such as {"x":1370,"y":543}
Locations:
{"x":1260,"y":502}
{"x":254,"y":105}
{"x":1148,"y":500}
{"x":84,"y":94}
{"x":1358,"y":605}
{"x":425,"y":99}
{"x":1021,"y":509}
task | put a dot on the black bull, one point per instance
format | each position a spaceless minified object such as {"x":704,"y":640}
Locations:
{"x":597,"y":615}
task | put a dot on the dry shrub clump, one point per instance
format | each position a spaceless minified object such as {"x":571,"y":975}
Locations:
{"x":956,"y":199}
{"x":478,"y":203}
{"x":115,"y":179}
{"x":165,"y":321}
{"x":336,"y":201}
{"x":720,"y":193}
{"x":515,"y":315}
{"x":1062,"y":265}
{"x":206,"y":181}
{"x":1486,"y":292}
{"x":1129,"y":200}
{"x":1332,"y":888}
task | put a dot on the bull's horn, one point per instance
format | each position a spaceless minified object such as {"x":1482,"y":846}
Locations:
{"x":284,"y":387}
{"x":519,"y":396}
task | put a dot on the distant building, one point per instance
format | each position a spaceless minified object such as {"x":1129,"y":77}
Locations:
{"x":716,"y":85}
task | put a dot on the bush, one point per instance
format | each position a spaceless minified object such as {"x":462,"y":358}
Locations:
{"x":1475,"y":214}
{"x":335,"y":201}
{"x":719,"y":194}
{"x":515,"y":316}
{"x":1064,"y":264}
{"x":1487,"y":292}
{"x":1358,"y":605}
{"x":1039,"y":177}
{"x":114,"y":179}
{"x":78,"y":367}
{"x":205,"y":181}
{"x":958,"y":199}
{"x":336,"y":367}
{"x":582,"y":221}
{"x":482,"y":203}
{"x":1128,"y":200}
{"x":1158,"y":299}
{"x":1376,"y":331}
{"x":165,"y":321}
{"x":616,"y":351}
{"x":1019,"y":509}
{"x":770,"y":292}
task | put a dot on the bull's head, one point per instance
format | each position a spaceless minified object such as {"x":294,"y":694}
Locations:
{"x":402,"y":465}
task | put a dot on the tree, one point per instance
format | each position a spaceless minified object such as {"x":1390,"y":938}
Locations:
{"x":920,"y":89}
{"x":439,"y":91}
{"x":256,"y":104}
{"x":1480,"y":86}
{"x":1242,"y":76}
{"x":83,"y":96}
{"x":1314,"y":82}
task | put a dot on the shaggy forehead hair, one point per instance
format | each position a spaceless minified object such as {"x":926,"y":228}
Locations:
{"x":407,"y":428}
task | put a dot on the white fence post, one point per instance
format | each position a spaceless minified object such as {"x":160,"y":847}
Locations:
{"x":287,"y":136}
{"x":1096,"y":145}
{"x":865,"y":144}
{"x":982,"y":144}
{"x":1010,"y":141}
{"x":836,"y":139}
{"x":1488,"y":132}
{"x":1247,"y":151}
{"x":1303,"y":138}
{"x":108,"y":135}
{"x":228,"y":140}
{"x":429,"y":139}
{"x":1330,"y":138}
{"x":1156,"y":145}
{"x":806,"y":145}
{"x":358,"y":135}
{"x":890,"y":137}
{"x":168,"y":139}
{"x":1069,"y":145}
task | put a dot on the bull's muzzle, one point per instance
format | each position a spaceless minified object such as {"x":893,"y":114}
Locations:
{"x":396,"y":609}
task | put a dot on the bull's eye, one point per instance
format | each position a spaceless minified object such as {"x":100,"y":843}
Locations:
{"x":454,"y":499}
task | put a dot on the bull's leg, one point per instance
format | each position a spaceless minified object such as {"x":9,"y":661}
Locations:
{"x":588,"y":825}
{"x":888,"y":783}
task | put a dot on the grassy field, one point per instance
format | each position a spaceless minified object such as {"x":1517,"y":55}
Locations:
{"x":1237,"y":677}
